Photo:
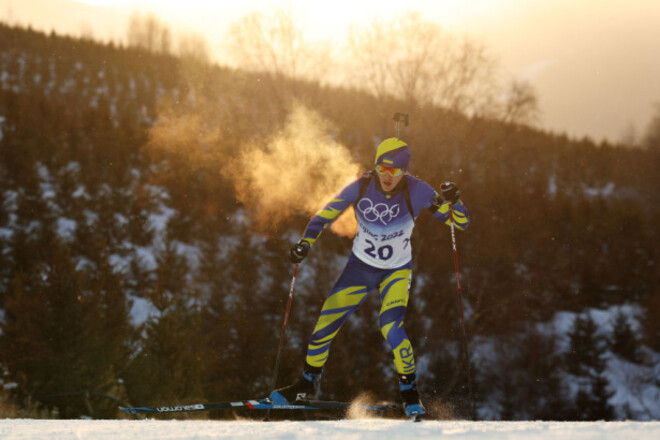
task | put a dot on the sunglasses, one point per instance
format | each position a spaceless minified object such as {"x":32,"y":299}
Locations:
{"x":382,"y":169}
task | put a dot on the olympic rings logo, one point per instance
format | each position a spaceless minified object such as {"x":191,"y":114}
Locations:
{"x":378,"y":212}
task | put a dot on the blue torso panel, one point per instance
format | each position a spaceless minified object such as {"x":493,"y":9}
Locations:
{"x":385,"y":223}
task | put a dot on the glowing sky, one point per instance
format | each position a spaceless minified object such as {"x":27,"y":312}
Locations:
{"x":594,"y":63}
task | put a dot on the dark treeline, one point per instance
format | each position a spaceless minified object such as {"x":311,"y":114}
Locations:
{"x":130,"y":274}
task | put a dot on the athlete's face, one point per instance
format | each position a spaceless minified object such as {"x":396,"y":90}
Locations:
{"x":388,"y":178}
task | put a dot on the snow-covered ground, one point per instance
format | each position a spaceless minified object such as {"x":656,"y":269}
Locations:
{"x":367,"y":429}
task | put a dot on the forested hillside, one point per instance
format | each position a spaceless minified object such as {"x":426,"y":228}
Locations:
{"x":148,"y":203}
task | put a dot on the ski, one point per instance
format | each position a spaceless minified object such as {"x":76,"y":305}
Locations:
{"x":259,"y":404}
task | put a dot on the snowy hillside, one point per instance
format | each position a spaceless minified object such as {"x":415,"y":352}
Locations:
{"x":146,"y":215}
{"x":634,"y":388}
{"x":341,"y":430}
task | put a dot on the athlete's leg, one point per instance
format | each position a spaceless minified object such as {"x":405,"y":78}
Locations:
{"x":394,"y":296}
{"x":349,"y":292}
{"x":394,"y":301}
{"x":345,"y":297}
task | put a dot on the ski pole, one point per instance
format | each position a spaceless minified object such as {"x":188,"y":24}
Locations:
{"x":283,"y":331}
{"x":460,"y":306}
{"x":397,"y":120}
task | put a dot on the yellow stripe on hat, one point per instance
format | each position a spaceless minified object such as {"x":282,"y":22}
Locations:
{"x":389,"y":145}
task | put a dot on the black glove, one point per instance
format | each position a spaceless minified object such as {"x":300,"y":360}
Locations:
{"x":450,"y":192}
{"x":298,"y":252}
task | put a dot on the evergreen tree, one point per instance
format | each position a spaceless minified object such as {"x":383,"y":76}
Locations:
{"x":240,"y":324}
{"x":591,"y":402}
{"x":624,"y":341}
{"x":586,"y":348}
{"x":167,"y":363}
{"x":586,"y":359}
{"x":108,"y":333}
{"x":62,"y":338}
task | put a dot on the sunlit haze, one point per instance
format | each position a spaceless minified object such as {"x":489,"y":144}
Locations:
{"x":593,"y":63}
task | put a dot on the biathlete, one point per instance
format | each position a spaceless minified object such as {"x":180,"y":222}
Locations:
{"x":386,"y":203}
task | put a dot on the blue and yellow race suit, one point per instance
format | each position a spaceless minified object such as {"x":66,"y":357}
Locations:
{"x":381,"y":259}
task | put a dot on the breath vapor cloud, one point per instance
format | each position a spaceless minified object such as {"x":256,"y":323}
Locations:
{"x":297,"y":170}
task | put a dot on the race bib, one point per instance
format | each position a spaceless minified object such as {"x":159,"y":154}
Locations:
{"x":384,"y":230}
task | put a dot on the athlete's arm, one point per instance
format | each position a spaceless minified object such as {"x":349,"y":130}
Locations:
{"x":423,"y":196}
{"x":330,"y":212}
{"x":440,"y":210}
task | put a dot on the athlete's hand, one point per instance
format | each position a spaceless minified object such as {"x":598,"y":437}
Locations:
{"x":298,"y":252}
{"x":450,"y":192}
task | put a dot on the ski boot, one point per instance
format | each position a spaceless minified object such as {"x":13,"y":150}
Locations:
{"x":303,"y":389}
{"x":410,"y":396}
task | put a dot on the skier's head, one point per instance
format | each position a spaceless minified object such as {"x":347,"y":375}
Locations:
{"x":393,"y":152}
{"x":392,"y":159}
